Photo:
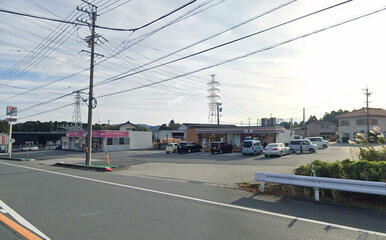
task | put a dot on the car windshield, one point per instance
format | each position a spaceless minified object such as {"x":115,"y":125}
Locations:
{"x":247,"y":144}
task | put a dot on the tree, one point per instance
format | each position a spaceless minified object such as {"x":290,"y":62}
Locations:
{"x":312,"y":119}
{"x":141,"y":128}
{"x":331,"y":117}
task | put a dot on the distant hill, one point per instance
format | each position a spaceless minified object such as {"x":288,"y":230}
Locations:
{"x":152,"y":128}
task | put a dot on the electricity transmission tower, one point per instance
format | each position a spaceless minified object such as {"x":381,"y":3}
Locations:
{"x":214,"y":100}
{"x":76,"y":114}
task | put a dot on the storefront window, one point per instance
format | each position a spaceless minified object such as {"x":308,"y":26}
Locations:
{"x":121,"y":141}
{"x":115,"y":141}
{"x":109,"y":141}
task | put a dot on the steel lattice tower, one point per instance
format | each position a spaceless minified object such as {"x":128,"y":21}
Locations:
{"x":214,"y":98}
{"x":76,"y":114}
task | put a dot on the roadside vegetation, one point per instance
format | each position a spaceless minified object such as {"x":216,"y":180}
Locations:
{"x":371,"y":166}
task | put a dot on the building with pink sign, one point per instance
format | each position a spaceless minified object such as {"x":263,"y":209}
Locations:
{"x":110,"y":140}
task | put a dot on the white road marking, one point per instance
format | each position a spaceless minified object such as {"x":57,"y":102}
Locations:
{"x":205,"y":201}
{"x":6,"y":209}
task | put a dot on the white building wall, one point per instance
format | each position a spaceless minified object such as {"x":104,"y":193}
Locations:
{"x":284,"y":137}
{"x":353,"y":128}
{"x":161,"y":134}
{"x":140,"y":139}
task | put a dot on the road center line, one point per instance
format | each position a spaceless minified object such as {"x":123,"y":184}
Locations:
{"x":204,"y":201}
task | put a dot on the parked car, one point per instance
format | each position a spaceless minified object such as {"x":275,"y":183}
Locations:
{"x":318,"y":141}
{"x":29,"y":148}
{"x":251,"y":146}
{"x":220,"y":147}
{"x":302,"y":145}
{"x":189,"y":147}
{"x":171,"y":148}
{"x":50,"y":147}
{"x":277,"y":149}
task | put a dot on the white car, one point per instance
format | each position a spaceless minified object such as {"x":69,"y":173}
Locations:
{"x":277,"y":149}
{"x":319,"y":141}
{"x":29,"y":148}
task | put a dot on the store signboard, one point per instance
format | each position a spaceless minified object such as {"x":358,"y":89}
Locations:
{"x":99,"y":134}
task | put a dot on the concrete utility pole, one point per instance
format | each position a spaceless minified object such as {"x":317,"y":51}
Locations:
{"x":304,"y":123}
{"x":91,"y":99}
{"x":10,"y":138}
{"x":367,"y":93}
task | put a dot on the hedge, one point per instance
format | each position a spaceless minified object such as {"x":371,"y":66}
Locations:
{"x":347,"y":169}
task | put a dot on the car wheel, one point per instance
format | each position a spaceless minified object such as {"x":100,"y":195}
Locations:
{"x":167,"y":152}
{"x":312,"y":150}
{"x":266,"y":155}
{"x":174,"y":151}
{"x":293,"y":151}
{"x":324,"y":146}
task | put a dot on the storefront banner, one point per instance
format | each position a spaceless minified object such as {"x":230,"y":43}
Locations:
{"x":98,"y":134}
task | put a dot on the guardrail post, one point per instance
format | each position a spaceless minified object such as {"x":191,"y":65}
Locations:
{"x":262,"y":187}
{"x":316,"y":190}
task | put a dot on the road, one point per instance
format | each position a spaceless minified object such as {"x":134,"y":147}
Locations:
{"x":226,"y":169}
{"x":75,"y":204}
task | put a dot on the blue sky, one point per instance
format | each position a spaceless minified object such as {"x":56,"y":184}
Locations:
{"x":323,"y":72}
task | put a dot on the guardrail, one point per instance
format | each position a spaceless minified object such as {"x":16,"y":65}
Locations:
{"x":369,"y":187}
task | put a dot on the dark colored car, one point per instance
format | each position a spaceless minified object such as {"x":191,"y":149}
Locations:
{"x":220,"y":147}
{"x":189,"y":147}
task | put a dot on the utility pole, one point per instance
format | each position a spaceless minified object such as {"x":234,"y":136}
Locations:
{"x":10,"y":138}
{"x":367,"y":93}
{"x":219,"y":109}
{"x":291,"y":127}
{"x":304,"y":123}
{"x":91,"y":100}
{"x":249,"y":122}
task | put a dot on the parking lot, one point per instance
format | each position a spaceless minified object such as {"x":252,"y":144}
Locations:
{"x":202,"y":167}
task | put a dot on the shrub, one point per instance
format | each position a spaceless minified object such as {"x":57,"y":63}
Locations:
{"x":348,"y":169}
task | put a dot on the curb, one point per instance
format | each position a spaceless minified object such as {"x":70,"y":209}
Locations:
{"x":17,"y":159}
{"x":83,"y":167}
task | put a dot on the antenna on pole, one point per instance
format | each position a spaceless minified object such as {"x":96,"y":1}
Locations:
{"x":214,"y":100}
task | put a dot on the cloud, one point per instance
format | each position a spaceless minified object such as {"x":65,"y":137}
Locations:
{"x":322,"y":73}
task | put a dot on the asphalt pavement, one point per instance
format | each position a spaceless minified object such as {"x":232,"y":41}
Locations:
{"x":76,"y":204}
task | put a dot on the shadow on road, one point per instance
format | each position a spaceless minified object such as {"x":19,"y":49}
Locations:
{"x":325,"y":212}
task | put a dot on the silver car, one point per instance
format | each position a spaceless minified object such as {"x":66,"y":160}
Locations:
{"x":277,"y":149}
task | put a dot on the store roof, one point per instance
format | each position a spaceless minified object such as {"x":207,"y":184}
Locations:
{"x":362,"y":112}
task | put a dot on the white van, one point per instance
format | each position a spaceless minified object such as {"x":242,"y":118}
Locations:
{"x":318,"y":141}
{"x":251,"y":146}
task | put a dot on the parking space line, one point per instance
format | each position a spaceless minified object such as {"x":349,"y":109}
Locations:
{"x":18,"y":228}
{"x":227,"y":205}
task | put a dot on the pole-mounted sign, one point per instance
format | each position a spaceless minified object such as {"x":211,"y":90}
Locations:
{"x":11,"y":112}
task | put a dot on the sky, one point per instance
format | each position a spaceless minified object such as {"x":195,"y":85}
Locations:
{"x":41,"y":60}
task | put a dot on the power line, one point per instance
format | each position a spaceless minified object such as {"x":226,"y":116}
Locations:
{"x":51,"y":110}
{"x":121,"y":4}
{"x":97,"y":26}
{"x":248,"y":54}
{"x":184,"y":16}
{"x":120,"y":76}
{"x":203,"y":40}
